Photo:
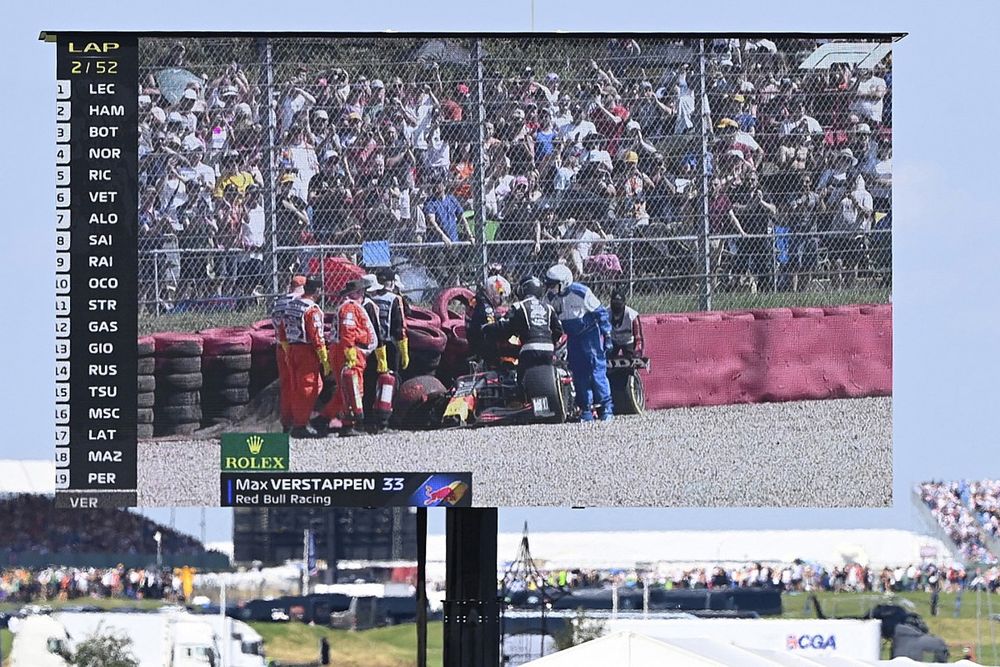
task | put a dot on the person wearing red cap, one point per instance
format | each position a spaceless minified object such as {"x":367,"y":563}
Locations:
{"x":307,"y":360}
{"x":295,"y":287}
{"x":352,"y":336}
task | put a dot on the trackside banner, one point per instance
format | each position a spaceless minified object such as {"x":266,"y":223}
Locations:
{"x":846,"y":638}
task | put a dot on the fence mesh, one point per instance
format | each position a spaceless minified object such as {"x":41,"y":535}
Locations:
{"x":693,"y":174}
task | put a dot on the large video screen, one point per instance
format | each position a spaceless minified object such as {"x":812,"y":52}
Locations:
{"x":490,"y":270}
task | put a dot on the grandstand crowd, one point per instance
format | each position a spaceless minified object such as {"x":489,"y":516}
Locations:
{"x":33,"y":525}
{"x":969,"y":512}
{"x":600,"y":144}
{"x":797,"y":576}
{"x":21,"y":585}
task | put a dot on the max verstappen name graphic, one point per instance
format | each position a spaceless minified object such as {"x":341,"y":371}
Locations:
{"x":817,"y":642}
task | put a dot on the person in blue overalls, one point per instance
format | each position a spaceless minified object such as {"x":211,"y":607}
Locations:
{"x":588,"y":332}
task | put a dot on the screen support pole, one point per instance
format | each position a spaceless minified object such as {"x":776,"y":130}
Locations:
{"x":421,"y":587}
{"x":471,"y":607}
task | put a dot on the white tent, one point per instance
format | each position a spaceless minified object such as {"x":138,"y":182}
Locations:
{"x":629,"y":649}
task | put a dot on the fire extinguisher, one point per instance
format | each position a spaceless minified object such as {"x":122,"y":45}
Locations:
{"x":385,"y":391}
{"x":350,"y":385}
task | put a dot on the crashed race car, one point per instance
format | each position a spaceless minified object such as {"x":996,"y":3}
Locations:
{"x":627,"y":390}
{"x":484,"y":397}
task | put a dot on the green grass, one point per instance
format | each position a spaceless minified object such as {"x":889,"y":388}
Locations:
{"x":965,"y":630}
{"x":102,"y":603}
{"x":382,"y":647}
{"x":6,"y":639}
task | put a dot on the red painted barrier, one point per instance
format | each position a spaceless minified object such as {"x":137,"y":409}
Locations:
{"x":773,"y":355}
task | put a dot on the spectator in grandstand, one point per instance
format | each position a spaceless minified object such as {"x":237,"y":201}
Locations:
{"x":869,"y":95}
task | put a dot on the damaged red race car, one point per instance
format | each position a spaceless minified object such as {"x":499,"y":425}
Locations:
{"x":544,"y":394}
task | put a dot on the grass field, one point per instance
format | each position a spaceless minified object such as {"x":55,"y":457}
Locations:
{"x":396,"y":646}
{"x":644,"y":303}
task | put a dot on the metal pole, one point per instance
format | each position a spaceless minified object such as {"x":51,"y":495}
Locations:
{"x":421,"y":587}
{"x":631,"y":269}
{"x":471,"y":608}
{"x":156,"y":282}
{"x":227,"y":637}
{"x":479,"y":182}
{"x":706,"y":289}
{"x":305,"y":562}
{"x":266,"y":81}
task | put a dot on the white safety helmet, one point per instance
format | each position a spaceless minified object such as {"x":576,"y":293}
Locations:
{"x":560,"y":277}
{"x":497,"y":289}
{"x":373,"y":283}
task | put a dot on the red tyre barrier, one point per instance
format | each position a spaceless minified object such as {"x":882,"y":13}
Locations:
{"x":704,"y":317}
{"x":845,"y":354}
{"x":170,"y":344}
{"x":807,"y":312}
{"x":743,"y":317}
{"x":842,"y":310}
{"x":772,"y":314}
{"x":424,"y":316}
{"x":231,"y":343}
{"x":423,"y":337}
{"x":442,"y":306}
{"x":881,"y":309}
{"x":262,"y":340}
{"x":261,"y":325}
{"x":223,"y":331}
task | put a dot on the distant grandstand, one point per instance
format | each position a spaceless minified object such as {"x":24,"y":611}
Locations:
{"x":966,"y":514}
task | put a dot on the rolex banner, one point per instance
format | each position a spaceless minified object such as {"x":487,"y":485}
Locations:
{"x":253,"y":452}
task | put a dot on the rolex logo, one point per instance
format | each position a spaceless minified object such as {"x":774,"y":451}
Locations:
{"x":255,"y":443}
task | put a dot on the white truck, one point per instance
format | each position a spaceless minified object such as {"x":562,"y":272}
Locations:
{"x":246,"y":646}
{"x":191,"y":642}
{"x":40,"y":641}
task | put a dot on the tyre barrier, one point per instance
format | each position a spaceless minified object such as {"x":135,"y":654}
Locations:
{"x":424,"y":316}
{"x":177,"y":371}
{"x":226,"y":365}
{"x":780,"y":354}
{"x":145,"y":386}
{"x":454,"y":359}
{"x":442,"y":306}
{"x":426,"y":347}
{"x":263,"y":363}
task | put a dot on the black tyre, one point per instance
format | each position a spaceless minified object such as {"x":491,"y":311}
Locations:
{"x":145,"y":399}
{"x":178,"y":365}
{"x":628,"y":394}
{"x":228,"y":363}
{"x":145,"y":366}
{"x":233,"y":396}
{"x":144,"y":431}
{"x":180,"y":381}
{"x":231,"y":412}
{"x":146,"y":346}
{"x":541,"y":382}
{"x":144,"y":416}
{"x":178,"y":414}
{"x":228,"y":381}
{"x":145,"y":383}
{"x":177,"y":398}
{"x":183,"y":428}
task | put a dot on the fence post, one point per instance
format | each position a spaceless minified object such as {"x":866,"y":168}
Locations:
{"x":266,"y":83}
{"x":479,"y":182}
{"x":631,"y":269}
{"x":706,"y":251}
{"x":156,"y":282}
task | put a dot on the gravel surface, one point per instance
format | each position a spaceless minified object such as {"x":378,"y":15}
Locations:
{"x":835,"y":453}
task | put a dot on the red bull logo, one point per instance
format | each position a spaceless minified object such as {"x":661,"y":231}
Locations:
{"x":450,"y":494}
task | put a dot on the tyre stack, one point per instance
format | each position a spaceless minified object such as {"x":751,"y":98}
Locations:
{"x":177,"y":408}
{"x":146,"y":381}
{"x":263,"y":363}
{"x":226,"y":362}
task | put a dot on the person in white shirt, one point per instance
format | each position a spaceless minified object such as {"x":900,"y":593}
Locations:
{"x":869,"y":96}
{"x":578,"y":129}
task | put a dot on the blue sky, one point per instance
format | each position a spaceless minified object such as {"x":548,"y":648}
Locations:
{"x":946,"y":318}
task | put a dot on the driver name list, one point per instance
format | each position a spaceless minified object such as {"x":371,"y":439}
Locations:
{"x":97,"y":155}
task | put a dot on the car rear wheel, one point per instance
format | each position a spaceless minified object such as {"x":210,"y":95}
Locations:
{"x":541,"y":382}
{"x":628,"y":394}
